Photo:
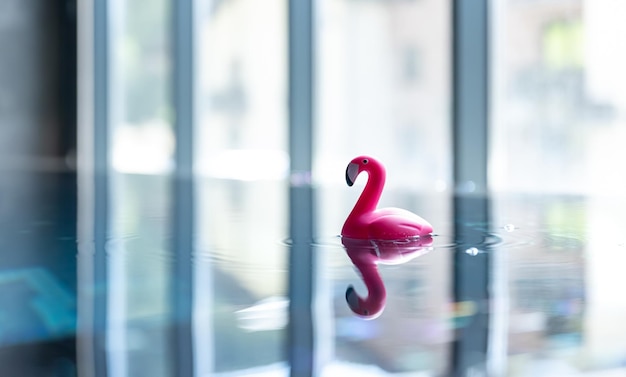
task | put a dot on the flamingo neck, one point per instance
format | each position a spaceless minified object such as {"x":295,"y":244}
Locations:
{"x":370,"y":196}
{"x":376,"y":293}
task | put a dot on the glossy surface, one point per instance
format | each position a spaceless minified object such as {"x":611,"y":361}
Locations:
{"x":366,"y":221}
{"x":520,"y":285}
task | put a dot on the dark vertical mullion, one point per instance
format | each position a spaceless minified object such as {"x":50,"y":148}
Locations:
{"x":471,"y":275}
{"x":301,"y":61}
{"x":101,"y":181}
{"x":183,"y":188}
{"x":67,"y":76}
{"x":183,"y":88}
{"x":301,"y":218}
{"x":470,"y":79}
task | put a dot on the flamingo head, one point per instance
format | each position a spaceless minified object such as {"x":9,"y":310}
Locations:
{"x":359,"y":164}
{"x":370,"y":308}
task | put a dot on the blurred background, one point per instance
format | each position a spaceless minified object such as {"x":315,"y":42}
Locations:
{"x":164,"y":166}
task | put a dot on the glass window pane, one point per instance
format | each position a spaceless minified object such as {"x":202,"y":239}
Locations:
{"x":141,"y":127}
{"x":242,"y":132}
{"x":559,"y":89}
{"x":384,"y":89}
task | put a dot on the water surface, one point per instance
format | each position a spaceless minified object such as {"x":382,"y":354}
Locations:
{"x":515,"y":285}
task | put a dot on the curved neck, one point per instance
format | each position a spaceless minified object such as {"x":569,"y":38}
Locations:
{"x":368,"y":200}
{"x":376,"y":292}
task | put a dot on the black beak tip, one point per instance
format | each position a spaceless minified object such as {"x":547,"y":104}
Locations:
{"x":349,"y":293}
{"x":348,"y":180}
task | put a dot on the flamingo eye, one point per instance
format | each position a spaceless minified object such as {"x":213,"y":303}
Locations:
{"x":365,"y":161}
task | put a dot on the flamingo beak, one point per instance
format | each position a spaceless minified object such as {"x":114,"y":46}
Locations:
{"x":352,"y":171}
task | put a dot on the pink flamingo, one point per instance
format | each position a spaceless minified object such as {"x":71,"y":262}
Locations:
{"x":367,"y":222}
{"x":366,"y":254}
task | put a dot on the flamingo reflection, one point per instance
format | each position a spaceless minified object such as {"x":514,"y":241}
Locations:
{"x":366,"y":255}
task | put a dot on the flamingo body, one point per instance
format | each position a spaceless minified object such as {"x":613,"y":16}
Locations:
{"x":365,"y":221}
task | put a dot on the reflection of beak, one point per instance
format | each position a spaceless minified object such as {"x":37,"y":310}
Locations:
{"x":352,"y":171}
{"x":352,"y":298}
{"x":364,"y":309}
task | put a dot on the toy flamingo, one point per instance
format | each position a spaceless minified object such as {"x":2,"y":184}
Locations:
{"x":366,"y":221}
{"x":366,"y":255}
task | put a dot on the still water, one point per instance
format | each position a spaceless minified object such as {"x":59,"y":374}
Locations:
{"x":128,"y":278}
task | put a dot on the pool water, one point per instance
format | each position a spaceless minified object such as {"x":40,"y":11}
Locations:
{"x":127,"y":277}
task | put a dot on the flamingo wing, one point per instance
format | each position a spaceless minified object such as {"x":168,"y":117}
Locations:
{"x":394,"y":223}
